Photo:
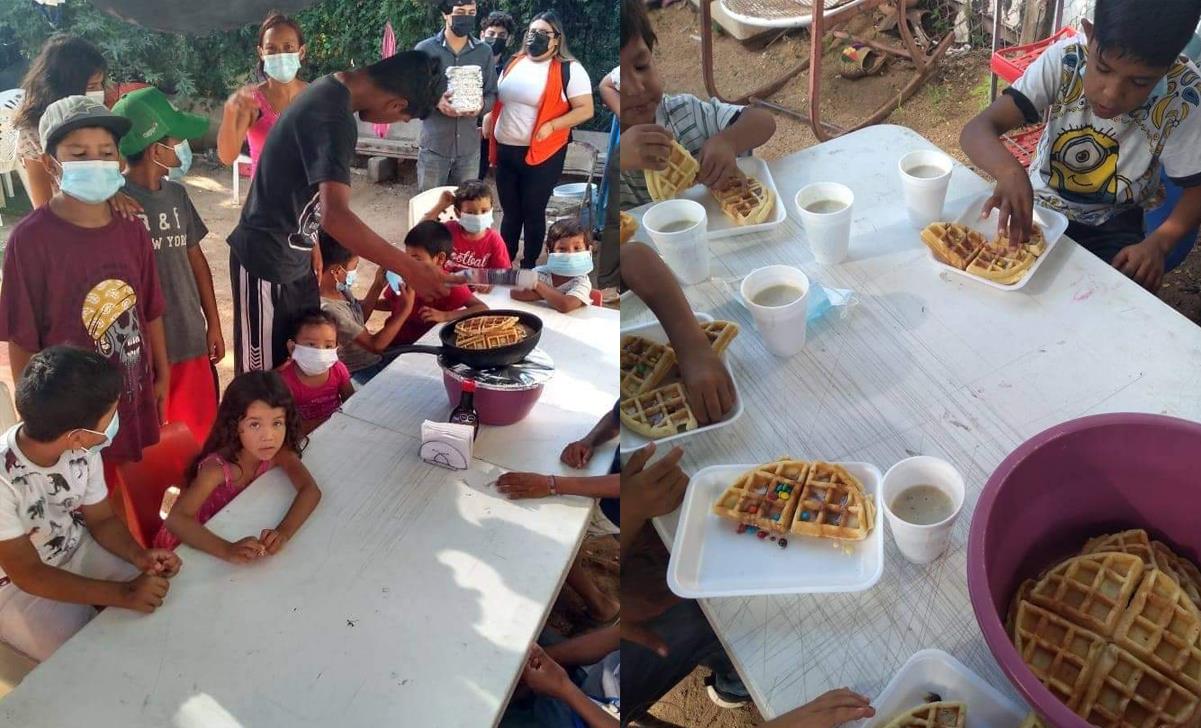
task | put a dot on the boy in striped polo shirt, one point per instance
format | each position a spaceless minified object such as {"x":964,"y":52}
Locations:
{"x":715,"y":133}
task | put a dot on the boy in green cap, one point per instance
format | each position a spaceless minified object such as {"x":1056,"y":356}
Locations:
{"x":158,"y":155}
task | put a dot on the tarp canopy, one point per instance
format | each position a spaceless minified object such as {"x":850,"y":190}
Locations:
{"x":196,"y":17}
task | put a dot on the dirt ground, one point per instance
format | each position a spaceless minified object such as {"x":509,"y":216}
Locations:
{"x":938,"y":111}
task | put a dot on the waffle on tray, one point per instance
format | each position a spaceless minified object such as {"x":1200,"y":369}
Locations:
{"x":1116,"y":634}
{"x":943,"y":714}
{"x":961,"y":247}
{"x":644,"y":363}
{"x":653,"y":402}
{"x":679,"y":175}
{"x":658,"y":413}
{"x":790,"y":496}
{"x":748,"y":203}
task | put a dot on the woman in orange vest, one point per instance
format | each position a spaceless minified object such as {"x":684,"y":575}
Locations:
{"x":543,"y":93}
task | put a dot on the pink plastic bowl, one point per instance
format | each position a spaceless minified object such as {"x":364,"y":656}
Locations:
{"x":495,"y":406}
{"x":1076,"y":480}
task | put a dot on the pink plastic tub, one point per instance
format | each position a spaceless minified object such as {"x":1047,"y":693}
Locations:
{"x":1076,"y":480}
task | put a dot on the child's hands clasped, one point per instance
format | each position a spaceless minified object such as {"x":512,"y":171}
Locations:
{"x":245,"y":550}
{"x":159,"y":562}
{"x":434,"y":316}
{"x":1014,"y":198}
{"x":645,"y":146}
{"x":272,"y":541}
{"x":831,"y":709}
{"x":145,"y":593}
{"x":543,"y":675}
{"x":708,"y":384}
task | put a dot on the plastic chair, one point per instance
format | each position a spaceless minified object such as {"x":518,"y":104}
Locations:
{"x":162,"y":466}
{"x":9,"y":101}
{"x":8,"y":413}
{"x":420,"y":204}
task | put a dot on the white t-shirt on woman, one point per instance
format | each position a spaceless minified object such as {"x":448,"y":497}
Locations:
{"x":521,"y":88}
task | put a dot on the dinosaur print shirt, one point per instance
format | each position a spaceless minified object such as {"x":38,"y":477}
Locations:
{"x":44,"y":503}
{"x":1090,"y":168}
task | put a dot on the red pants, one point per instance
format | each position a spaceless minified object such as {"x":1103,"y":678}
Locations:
{"x":192,"y":399}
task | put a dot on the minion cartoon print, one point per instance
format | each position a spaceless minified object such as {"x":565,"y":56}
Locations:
{"x":1084,"y":167}
{"x":110,"y":317}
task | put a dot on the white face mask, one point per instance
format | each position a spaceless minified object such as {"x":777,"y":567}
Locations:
{"x":313,"y":361}
{"x":476,"y":223}
{"x":97,"y":96}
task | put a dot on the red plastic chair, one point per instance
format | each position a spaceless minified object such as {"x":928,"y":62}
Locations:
{"x":596,"y":297}
{"x":144,"y":482}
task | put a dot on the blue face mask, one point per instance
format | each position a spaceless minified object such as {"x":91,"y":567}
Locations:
{"x":282,"y":67}
{"x":570,"y":264}
{"x":110,"y":434}
{"x":93,"y":181}
{"x":351,"y":277}
{"x":183,"y":151}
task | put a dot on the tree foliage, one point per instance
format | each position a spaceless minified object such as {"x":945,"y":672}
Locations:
{"x":340,"y":34}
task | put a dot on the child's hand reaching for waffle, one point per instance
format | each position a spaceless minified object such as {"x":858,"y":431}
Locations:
{"x":719,"y":165}
{"x":708,"y":384}
{"x":831,"y":709}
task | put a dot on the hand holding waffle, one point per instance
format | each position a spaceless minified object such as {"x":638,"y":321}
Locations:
{"x":719,"y":164}
{"x":645,"y":146}
{"x":708,"y":384}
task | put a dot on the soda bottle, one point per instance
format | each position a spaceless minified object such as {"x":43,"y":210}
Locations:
{"x":464,"y":413}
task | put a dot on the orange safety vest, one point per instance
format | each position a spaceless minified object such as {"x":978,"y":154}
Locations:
{"x":553,"y":105}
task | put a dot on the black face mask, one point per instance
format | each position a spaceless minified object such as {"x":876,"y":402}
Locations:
{"x":462,"y":25}
{"x":537,"y":44}
{"x":498,"y":44}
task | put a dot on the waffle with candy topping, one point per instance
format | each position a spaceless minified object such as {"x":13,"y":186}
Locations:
{"x":658,"y":413}
{"x":644,"y":364}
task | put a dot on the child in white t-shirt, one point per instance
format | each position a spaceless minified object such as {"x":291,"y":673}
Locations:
{"x":563,"y":282}
{"x":1110,"y":130}
{"x":610,"y":91}
{"x":62,"y":549}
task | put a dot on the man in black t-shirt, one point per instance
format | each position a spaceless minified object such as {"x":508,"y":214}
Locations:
{"x":302,"y":184}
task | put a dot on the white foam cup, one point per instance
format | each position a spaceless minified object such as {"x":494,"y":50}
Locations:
{"x":922,"y":544}
{"x":686,"y":251}
{"x":829,"y":233}
{"x":924,"y":196}
{"x":782,"y":327}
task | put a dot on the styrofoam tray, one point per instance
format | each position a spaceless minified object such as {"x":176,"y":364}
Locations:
{"x":709,"y":558}
{"x":630,"y":440}
{"x":934,"y":671}
{"x":1053,"y":225}
{"x":719,"y":225}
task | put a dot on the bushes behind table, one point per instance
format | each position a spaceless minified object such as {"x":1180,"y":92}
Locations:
{"x":339,"y":33}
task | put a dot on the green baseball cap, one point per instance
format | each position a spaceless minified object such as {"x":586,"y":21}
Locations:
{"x":153,"y":118}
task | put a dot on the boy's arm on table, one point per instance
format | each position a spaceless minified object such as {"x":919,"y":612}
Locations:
{"x":182,"y":522}
{"x":112,"y":533}
{"x":30,"y":574}
{"x":529,"y":295}
{"x":162,"y":366}
{"x":586,"y":649}
{"x":473,"y":305}
{"x":706,"y":379}
{"x":341,"y":222}
{"x":208,"y":301}
{"x":981,"y":142}
{"x":561,"y":302}
{"x":826,"y":711}
{"x":308,"y":495}
{"x":516,"y":485}
{"x":718,"y":155}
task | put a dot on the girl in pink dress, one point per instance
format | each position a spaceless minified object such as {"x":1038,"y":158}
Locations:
{"x":253,"y":109}
{"x":257,"y":428}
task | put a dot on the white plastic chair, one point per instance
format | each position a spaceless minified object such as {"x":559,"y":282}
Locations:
{"x":421,"y":204}
{"x":9,"y":101}
{"x":8,"y":413}
{"x":238,"y":163}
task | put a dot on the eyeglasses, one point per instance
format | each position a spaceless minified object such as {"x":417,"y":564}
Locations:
{"x":543,"y":33}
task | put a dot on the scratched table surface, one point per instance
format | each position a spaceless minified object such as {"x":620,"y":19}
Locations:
{"x":410,"y":597}
{"x":927,"y":363}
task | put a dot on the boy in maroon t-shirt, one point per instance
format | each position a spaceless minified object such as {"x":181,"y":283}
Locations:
{"x":475,"y":244}
{"x":429,"y":242}
{"x":76,"y":274}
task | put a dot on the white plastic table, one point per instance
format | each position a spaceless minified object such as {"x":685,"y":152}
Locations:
{"x":410,"y":597}
{"x":927,"y":363}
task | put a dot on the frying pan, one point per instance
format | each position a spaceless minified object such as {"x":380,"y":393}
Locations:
{"x":481,"y":358}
